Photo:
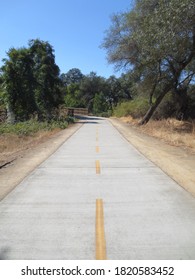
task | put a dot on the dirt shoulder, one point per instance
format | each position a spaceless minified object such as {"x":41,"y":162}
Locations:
{"x":25,"y":161}
{"x":177,"y":162}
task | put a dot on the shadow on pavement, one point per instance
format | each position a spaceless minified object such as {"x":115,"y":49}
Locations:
{"x":87,"y":119}
{"x":4,"y":253}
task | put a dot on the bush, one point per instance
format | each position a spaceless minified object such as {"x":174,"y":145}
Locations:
{"x":166,"y":109}
{"x":31,"y":127}
{"x":137,"y":108}
{"x":170,"y":107}
{"x":105,"y":114}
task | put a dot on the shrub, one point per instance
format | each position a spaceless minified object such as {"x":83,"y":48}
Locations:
{"x":166,"y":109}
{"x":136,"y":108}
{"x":31,"y":127}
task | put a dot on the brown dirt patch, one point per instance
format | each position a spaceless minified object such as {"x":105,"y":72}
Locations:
{"x":12,"y":145}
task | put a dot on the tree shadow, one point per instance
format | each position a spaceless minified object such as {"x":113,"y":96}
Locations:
{"x":87,"y":122}
{"x":90,"y":118}
{"x":87,"y":119}
{"x":4,"y":253}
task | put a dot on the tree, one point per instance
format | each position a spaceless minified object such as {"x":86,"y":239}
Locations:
{"x":19,"y":83}
{"x":72,"y":96}
{"x":156,"y":41}
{"x":90,"y":86}
{"x":119,"y":89}
{"x":47,"y":92}
{"x":100,"y":103}
{"x":113,"y":91}
{"x":71,"y":83}
{"x":127,"y":86}
{"x":73,"y":76}
{"x":31,"y":81}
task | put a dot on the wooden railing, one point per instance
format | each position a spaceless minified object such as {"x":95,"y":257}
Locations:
{"x":70,"y":111}
{"x":66,"y":111}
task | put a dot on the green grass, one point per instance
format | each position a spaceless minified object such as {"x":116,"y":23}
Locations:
{"x":31,"y":127}
{"x":136,"y":108}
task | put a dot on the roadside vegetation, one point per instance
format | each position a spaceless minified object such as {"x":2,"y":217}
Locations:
{"x":31,"y":127}
{"x":135,"y":108}
{"x":20,"y":136}
{"x":171,"y":131}
{"x":154,"y":43}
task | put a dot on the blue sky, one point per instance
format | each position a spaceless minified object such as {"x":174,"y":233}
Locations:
{"x":75,"y":28}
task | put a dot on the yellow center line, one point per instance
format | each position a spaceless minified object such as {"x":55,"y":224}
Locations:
{"x":97,"y":166}
{"x":97,"y":149}
{"x":97,"y":134}
{"x":100,"y":233}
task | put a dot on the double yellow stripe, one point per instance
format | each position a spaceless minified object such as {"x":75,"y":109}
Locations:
{"x":97,"y":166}
{"x":97,"y":135}
{"x":100,"y":233}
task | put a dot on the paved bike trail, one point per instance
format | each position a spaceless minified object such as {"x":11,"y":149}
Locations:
{"x":52,"y":213}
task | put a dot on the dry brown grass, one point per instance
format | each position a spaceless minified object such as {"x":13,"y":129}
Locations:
{"x":172,"y":131}
{"x":12,"y":145}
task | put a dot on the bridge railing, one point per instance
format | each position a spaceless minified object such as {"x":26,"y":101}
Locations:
{"x":71,"y":111}
{"x":66,"y":111}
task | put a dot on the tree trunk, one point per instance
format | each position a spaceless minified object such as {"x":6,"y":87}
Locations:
{"x":182,"y":98}
{"x":153,"y":107}
{"x":10,"y":114}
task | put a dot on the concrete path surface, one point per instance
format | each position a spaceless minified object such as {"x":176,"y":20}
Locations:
{"x":53,"y":213}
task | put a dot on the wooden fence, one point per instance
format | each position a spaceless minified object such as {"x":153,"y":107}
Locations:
{"x":66,"y":111}
{"x":70,"y":111}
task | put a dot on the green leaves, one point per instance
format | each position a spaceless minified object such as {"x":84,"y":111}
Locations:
{"x":156,"y":40}
{"x":152,"y":31}
{"x":31,"y":127}
{"x":99,"y":104}
{"x":31,"y":80}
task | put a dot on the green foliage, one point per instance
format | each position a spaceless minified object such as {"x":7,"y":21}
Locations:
{"x":136,"y":108}
{"x":31,"y":81}
{"x":167,"y":108}
{"x":99,"y":104}
{"x":19,"y":82}
{"x":2,"y":99}
{"x":156,"y":41}
{"x":2,"y":94}
{"x":99,"y":94}
{"x":107,"y":114}
{"x":73,"y":76}
{"x":72,"y":96}
{"x":47,"y":93}
{"x":31,"y":127}
{"x":90,"y":85}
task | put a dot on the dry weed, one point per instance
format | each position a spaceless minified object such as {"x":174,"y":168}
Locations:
{"x":12,"y":144}
{"x":174,"y":132}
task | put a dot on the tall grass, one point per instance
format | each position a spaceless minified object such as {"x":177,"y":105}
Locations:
{"x":172,"y":131}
